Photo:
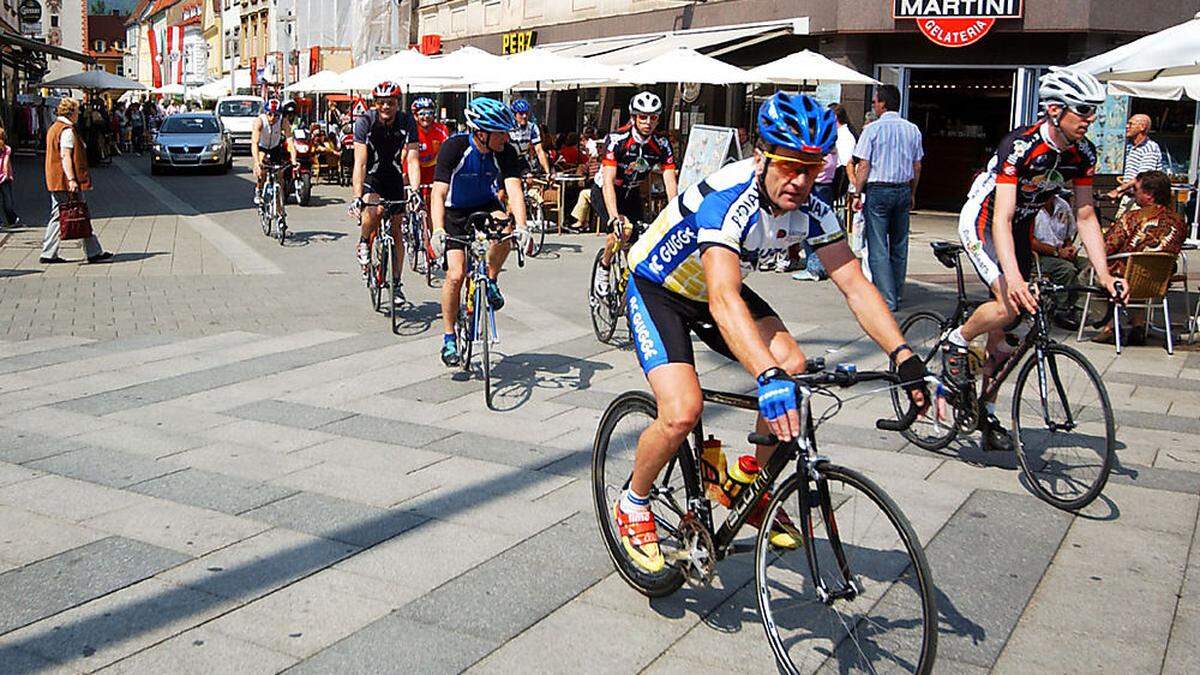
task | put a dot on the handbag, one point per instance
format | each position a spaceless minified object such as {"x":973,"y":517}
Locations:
{"x":74,"y":220}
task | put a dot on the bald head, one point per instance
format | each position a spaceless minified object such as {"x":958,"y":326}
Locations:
{"x":1137,"y":126}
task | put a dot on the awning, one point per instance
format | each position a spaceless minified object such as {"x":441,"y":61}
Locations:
{"x":631,"y":49}
{"x":38,"y":45}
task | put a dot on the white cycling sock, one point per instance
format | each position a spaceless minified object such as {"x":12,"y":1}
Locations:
{"x":632,"y":503}
{"x":956,"y":337}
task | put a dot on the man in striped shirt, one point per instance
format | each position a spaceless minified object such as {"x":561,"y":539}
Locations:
{"x":1141,"y":154}
{"x":890,"y":153}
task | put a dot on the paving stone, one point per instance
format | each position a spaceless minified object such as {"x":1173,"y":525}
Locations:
{"x":95,"y":634}
{"x":256,"y":566}
{"x":202,"y":651}
{"x":241,"y":461}
{"x":171,"y":417}
{"x":14,"y":473}
{"x":386,"y":431}
{"x":395,"y":644}
{"x":335,"y":519}
{"x":138,"y":440}
{"x":105,"y":467}
{"x":388,"y":458}
{"x":19,"y":447}
{"x":357,"y":485}
{"x":51,"y":421}
{"x":302,"y":618}
{"x":49,"y":586}
{"x":1157,"y":421}
{"x":273,"y":437}
{"x":208,"y":490}
{"x":66,"y":498}
{"x":499,"y":599}
{"x":284,"y":413}
{"x":26,"y":537}
{"x":491,"y":449}
{"x":187,"y":529}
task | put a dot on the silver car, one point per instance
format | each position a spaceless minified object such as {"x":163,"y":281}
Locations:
{"x":191,"y":140}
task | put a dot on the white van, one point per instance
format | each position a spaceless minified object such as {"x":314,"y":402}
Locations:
{"x":237,"y":115}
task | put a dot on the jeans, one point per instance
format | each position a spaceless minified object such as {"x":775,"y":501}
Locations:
{"x":886,"y":215}
{"x":7,"y":203}
{"x":812,"y":264}
{"x":50,"y":241}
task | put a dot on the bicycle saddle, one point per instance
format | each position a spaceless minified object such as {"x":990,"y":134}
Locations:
{"x":946,"y":252}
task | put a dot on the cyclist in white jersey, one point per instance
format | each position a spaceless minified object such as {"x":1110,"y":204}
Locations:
{"x":267,"y":142}
{"x":527,"y":138}
{"x":687,"y":278}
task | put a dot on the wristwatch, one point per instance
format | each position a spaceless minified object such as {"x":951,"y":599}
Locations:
{"x":773,"y":373}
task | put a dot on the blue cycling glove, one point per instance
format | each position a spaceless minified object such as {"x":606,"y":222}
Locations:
{"x":776,"y":394}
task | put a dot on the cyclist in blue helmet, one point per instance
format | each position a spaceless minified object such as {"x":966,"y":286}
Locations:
{"x":474,"y":170}
{"x":686,"y":277}
{"x":526,"y":137}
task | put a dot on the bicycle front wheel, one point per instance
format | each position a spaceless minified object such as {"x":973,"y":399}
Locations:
{"x":484,"y":322}
{"x":604,"y":320}
{"x":264,"y":217}
{"x":375,"y":274}
{"x":869,"y":604}
{"x":537,"y":227}
{"x":466,"y":325}
{"x":613,"y":454}
{"x":1063,"y":427}
{"x":935,"y":428}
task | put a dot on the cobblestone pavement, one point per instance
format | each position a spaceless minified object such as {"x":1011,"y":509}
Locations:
{"x":215,"y":458}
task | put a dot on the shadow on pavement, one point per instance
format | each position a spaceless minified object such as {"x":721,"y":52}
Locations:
{"x":514,"y":377}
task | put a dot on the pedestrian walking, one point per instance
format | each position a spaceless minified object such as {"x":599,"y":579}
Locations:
{"x":1141,"y":154}
{"x":67,"y":178}
{"x":7,"y":204}
{"x":890,"y":153}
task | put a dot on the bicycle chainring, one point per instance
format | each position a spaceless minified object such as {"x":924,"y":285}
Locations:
{"x":966,"y":413}
{"x":697,"y":558}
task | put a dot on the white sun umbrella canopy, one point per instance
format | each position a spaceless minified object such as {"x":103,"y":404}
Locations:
{"x":544,"y":69}
{"x":808,"y":67}
{"x":1169,"y":52}
{"x":685,"y":65}
{"x":94,"y":80}
{"x":324,"y":82}
{"x":169,"y":90}
{"x":1163,"y":88}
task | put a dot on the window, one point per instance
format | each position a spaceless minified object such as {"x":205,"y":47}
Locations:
{"x":54,"y":21}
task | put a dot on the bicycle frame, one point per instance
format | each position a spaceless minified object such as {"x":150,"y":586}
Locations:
{"x":476,"y":285}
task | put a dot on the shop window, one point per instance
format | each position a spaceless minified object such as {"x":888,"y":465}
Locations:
{"x":491,"y":12}
{"x":458,"y":19}
{"x":583,"y":4}
{"x":534,"y":8}
{"x":54,"y":21}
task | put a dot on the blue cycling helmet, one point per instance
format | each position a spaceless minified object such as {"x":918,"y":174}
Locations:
{"x":797,"y":122}
{"x":520,"y":106}
{"x":488,"y":114}
{"x":422,"y":103}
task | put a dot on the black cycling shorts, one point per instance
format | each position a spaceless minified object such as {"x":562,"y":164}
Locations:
{"x":629,"y":203}
{"x":458,"y":223}
{"x":393,"y":192}
{"x":276,"y":155}
{"x":661,"y":322}
{"x":975,"y":224}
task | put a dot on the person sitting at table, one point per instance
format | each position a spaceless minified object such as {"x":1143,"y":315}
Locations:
{"x":1058,"y":257}
{"x":1154,"y":227}
{"x":325,"y":153}
{"x":569,"y":156}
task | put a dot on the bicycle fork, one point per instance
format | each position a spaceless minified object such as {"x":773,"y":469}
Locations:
{"x":1047,"y":369}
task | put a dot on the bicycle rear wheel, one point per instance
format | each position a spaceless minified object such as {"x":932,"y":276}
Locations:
{"x":536,"y":223}
{"x":1063,"y":427}
{"x":936,"y":428}
{"x":484,"y":322}
{"x":466,"y":325}
{"x":265,"y":219}
{"x":612,"y":465}
{"x":280,"y":217}
{"x":604,"y":322}
{"x":879,"y":614}
{"x":374,"y":285}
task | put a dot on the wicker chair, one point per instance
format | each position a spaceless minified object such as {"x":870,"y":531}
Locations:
{"x":1147,"y":277}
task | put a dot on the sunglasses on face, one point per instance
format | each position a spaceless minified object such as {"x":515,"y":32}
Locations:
{"x":1083,"y":110}
{"x":642,"y":117}
{"x":791,"y":167}
{"x":425,"y":113}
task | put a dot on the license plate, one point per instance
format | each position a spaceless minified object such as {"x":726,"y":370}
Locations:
{"x":186,"y":158}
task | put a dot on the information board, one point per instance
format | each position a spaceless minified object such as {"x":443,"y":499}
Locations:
{"x":709,"y":148}
{"x":1108,"y":134}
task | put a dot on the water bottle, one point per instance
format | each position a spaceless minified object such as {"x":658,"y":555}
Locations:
{"x":741,"y":474}
{"x":713,"y":469}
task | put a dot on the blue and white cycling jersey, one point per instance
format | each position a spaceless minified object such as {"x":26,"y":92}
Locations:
{"x":474,"y":177}
{"x":722,"y":210}
{"x":525,"y":136}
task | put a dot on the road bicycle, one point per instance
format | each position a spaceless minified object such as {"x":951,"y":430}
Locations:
{"x":856,"y":595}
{"x":535,"y":211}
{"x":271,"y":213}
{"x":382,"y":282}
{"x":1062,"y":430}
{"x":608,"y":308}
{"x":476,"y":320}
{"x":416,"y":238}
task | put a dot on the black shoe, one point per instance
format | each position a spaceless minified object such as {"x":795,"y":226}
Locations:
{"x":956,"y":369}
{"x":995,"y":437}
{"x":101,"y":257}
{"x":52,"y":260}
{"x":1068,"y":319}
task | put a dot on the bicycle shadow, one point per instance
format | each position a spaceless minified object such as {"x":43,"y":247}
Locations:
{"x":415,"y":319}
{"x":306,"y":237}
{"x":516,"y":376}
{"x":553,"y":251}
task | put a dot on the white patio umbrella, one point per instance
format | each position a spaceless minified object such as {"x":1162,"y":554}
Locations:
{"x":1169,"y":52}
{"x":685,"y":65}
{"x":324,"y":82}
{"x":214,"y":90}
{"x":808,"y":67}
{"x":94,"y":80}
{"x":1164,"y":88}
{"x":169,"y":90}
{"x":363,"y":77}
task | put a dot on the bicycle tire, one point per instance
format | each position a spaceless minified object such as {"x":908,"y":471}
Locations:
{"x":603,"y":321}
{"x":394,"y":288}
{"x":537,"y":228}
{"x":280,"y":217}
{"x":264,"y":218}
{"x":907,"y":558}
{"x":468,"y":311}
{"x":373,"y":275}
{"x":1033,"y":468}
{"x":485,"y":342}
{"x":922,"y":332}
{"x":625,"y":405}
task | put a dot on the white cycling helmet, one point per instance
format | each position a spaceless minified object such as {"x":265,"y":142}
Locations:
{"x":645,"y":103}
{"x":1070,"y":87}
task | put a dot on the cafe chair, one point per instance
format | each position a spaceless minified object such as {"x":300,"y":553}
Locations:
{"x":1147,"y":277}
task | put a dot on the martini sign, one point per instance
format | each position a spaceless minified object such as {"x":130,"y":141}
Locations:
{"x":956,"y":23}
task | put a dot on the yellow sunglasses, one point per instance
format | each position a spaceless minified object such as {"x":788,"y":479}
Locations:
{"x":794,"y":166}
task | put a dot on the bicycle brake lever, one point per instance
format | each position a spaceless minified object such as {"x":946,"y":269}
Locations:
{"x":762,"y":439}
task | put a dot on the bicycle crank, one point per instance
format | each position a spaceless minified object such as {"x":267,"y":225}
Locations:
{"x":694,"y":556}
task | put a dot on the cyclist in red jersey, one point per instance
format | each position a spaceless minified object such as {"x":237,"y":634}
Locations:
{"x":430,"y":133}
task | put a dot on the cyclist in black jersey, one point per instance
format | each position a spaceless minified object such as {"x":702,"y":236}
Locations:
{"x":629,"y":154}
{"x":1031,"y":165}
{"x":385,"y":147}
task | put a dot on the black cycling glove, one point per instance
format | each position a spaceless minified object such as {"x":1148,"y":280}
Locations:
{"x":912,"y":372}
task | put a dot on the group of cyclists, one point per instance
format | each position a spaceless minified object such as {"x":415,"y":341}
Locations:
{"x":687,"y":266}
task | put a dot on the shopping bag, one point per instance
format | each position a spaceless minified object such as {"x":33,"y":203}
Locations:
{"x":74,"y":219}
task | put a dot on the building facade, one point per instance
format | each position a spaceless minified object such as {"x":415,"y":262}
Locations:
{"x":106,"y":41}
{"x":63,"y":24}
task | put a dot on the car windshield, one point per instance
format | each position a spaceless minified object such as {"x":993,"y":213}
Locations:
{"x":189,"y":125}
{"x":239,"y":108}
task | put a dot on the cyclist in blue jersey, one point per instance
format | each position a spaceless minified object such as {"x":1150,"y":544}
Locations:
{"x":527,"y":138}
{"x":687,"y":278}
{"x":472,"y":168}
